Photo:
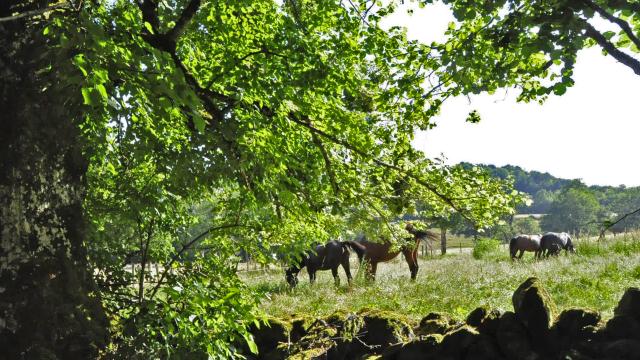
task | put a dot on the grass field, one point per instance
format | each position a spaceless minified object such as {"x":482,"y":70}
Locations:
{"x":595,"y":277}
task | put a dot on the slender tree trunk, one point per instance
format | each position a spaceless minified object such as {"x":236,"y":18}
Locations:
{"x":49,"y":308}
{"x":443,"y":240}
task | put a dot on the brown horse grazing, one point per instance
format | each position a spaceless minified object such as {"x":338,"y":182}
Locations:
{"x":524,"y":243}
{"x":328,"y":256}
{"x":372,"y":253}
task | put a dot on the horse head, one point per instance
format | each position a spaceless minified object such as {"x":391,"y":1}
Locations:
{"x":291,"y":273}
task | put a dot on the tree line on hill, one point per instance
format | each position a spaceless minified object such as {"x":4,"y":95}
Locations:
{"x":565,"y":205}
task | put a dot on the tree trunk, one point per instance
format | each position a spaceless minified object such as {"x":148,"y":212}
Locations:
{"x":443,"y":240}
{"x":49,"y":308}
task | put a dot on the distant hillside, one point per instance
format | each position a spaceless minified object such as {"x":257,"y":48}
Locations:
{"x":544,"y":188}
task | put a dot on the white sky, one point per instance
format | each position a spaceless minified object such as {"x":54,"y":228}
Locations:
{"x":591,"y":132}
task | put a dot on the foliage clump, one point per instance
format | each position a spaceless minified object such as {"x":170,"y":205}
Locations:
{"x":485,"y":248}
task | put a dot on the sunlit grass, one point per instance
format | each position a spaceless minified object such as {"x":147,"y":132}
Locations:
{"x":595,"y":277}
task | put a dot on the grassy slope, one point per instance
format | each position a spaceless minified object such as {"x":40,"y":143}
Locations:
{"x":595,"y":278}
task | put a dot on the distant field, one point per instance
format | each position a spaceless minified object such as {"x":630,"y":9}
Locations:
{"x":455,"y":284}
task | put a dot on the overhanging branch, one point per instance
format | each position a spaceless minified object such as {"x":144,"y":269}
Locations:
{"x":64,"y":5}
{"x":185,"y":247}
{"x":616,"y":20}
{"x":185,"y":17}
{"x":612,"y":224}
{"x":619,"y":55}
{"x":379,"y":162}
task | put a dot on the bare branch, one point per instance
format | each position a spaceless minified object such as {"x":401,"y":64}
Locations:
{"x":610,"y":225}
{"x":64,"y":5}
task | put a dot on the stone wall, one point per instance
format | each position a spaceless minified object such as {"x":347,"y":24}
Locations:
{"x":533,"y":330}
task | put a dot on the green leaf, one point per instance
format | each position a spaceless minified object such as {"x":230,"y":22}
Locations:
{"x":199,"y":122}
{"x":86,"y":95}
{"x":101,"y":89}
{"x":148,"y":26}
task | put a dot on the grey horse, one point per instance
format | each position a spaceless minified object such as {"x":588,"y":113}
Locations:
{"x":552,"y":243}
{"x":328,"y":256}
{"x":524,"y":243}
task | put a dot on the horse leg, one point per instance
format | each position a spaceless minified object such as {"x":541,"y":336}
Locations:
{"x":415,"y":262}
{"x":521,"y":254}
{"x":412,"y":265}
{"x":373,"y":266}
{"x":336,"y":278}
{"x":345,"y":266}
{"x":312,"y":275}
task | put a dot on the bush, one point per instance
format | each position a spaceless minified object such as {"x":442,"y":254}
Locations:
{"x":626,"y":247}
{"x":485,"y":248}
{"x":589,"y":248}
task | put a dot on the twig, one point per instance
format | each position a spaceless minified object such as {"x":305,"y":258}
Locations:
{"x":610,"y":225}
{"x":36,"y":12}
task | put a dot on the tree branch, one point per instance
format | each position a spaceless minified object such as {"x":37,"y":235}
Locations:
{"x":623,"y":57}
{"x":379,"y":162}
{"x":187,"y":14}
{"x":64,"y":5}
{"x":623,"y":24}
{"x":184,"y":248}
{"x":610,"y":225}
{"x":327,"y":163}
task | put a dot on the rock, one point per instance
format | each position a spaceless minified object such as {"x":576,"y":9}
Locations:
{"x":575,"y":325}
{"x":424,"y":348}
{"x":513,"y":339}
{"x":484,"y":320}
{"x":629,"y":304}
{"x":625,"y":349}
{"x":535,"y":309}
{"x":320,"y":340}
{"x":476,"y":316}
{"x":485,"y":348}
{"x":268,"y":336}
{"x":377,"y":331}
{"x":622,"y":327}
{"x":455,"y":343}
{"x":434,"y":323}
{"x":298,"y":329}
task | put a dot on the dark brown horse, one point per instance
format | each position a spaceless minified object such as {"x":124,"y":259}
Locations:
{"x":325,"y":257}
{"x":371,"y":253}
{"x":524,"y":243}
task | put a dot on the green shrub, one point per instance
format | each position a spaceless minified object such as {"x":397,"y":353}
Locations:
{"x":485,"y":247}
{"x":626,"y":247}
{"x":589,"y":248}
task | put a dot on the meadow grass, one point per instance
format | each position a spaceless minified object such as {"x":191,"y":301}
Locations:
{"x":595,"y":278}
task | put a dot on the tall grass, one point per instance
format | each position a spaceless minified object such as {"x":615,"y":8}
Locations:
{"x":595,"y":277}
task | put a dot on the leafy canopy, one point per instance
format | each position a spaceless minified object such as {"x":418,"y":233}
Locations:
{"x":218,"y":126}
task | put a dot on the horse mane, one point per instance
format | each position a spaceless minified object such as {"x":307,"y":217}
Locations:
{"x":424,"y":235}
{"x":357,"y":247}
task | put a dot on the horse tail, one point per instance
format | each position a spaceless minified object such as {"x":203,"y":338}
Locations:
{"x":512,"y":246}
{"x":432,"y":235}
{"x":358,"y":248}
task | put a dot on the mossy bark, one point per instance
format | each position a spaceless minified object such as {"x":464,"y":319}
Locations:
{"x":49,"y":306}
